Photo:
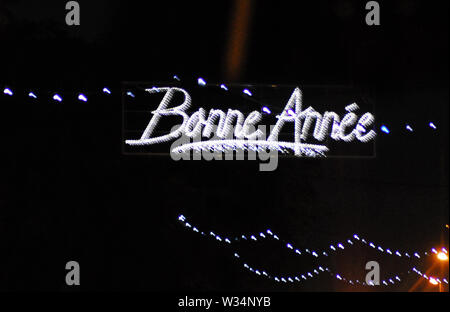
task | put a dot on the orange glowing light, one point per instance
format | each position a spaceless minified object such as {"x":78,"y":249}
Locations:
{"x":442,"y":256}
{"x":433,"y":281}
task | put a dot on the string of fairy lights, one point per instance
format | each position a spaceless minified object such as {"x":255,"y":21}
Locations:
{"x":82,"y":97}
{"x":334,"y":247}
{"x":318,"y":270}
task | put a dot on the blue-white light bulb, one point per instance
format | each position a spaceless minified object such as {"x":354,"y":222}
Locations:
{"x":57,"y":98}
{"x":385,"y":129}
{"x":32,"y":95}
{"x":106,"y":90}
{"x":201,"y":82}
{"x":247,"y":91}
{"x":82,"y":97}
{"x":266,"y":110}
{"x":8,"y":91}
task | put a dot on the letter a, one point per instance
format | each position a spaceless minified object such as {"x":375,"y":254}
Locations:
{"x":73,"y":17}
{"x":373,"y":17}
{"x":373,"y":277}
{"x":73,"y":277}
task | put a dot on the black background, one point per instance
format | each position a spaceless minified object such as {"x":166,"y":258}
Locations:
{"x":68,"y":193}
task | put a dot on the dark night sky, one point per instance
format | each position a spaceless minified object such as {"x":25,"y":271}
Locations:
{"x":68,"y":192}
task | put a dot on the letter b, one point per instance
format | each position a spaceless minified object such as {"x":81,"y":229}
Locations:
{"x":73,"y":16}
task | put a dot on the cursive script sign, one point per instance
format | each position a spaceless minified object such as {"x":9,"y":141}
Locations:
{"x":231,"y":130}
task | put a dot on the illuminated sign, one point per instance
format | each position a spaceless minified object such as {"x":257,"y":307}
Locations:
{"x":212,"y":131}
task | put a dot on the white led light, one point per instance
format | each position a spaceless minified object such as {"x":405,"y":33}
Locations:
{"x":82,"y":98}
{"x":201,"y":82}
{"x":8,"y":91}
{"x":57,"y":98}
{"x":266,"y":110}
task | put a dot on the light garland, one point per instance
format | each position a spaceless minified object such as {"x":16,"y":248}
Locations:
{"x":333,"y":247}
{"x":394,"y":279}
{"x":9,"y":92}
{"x":297,"y":278}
